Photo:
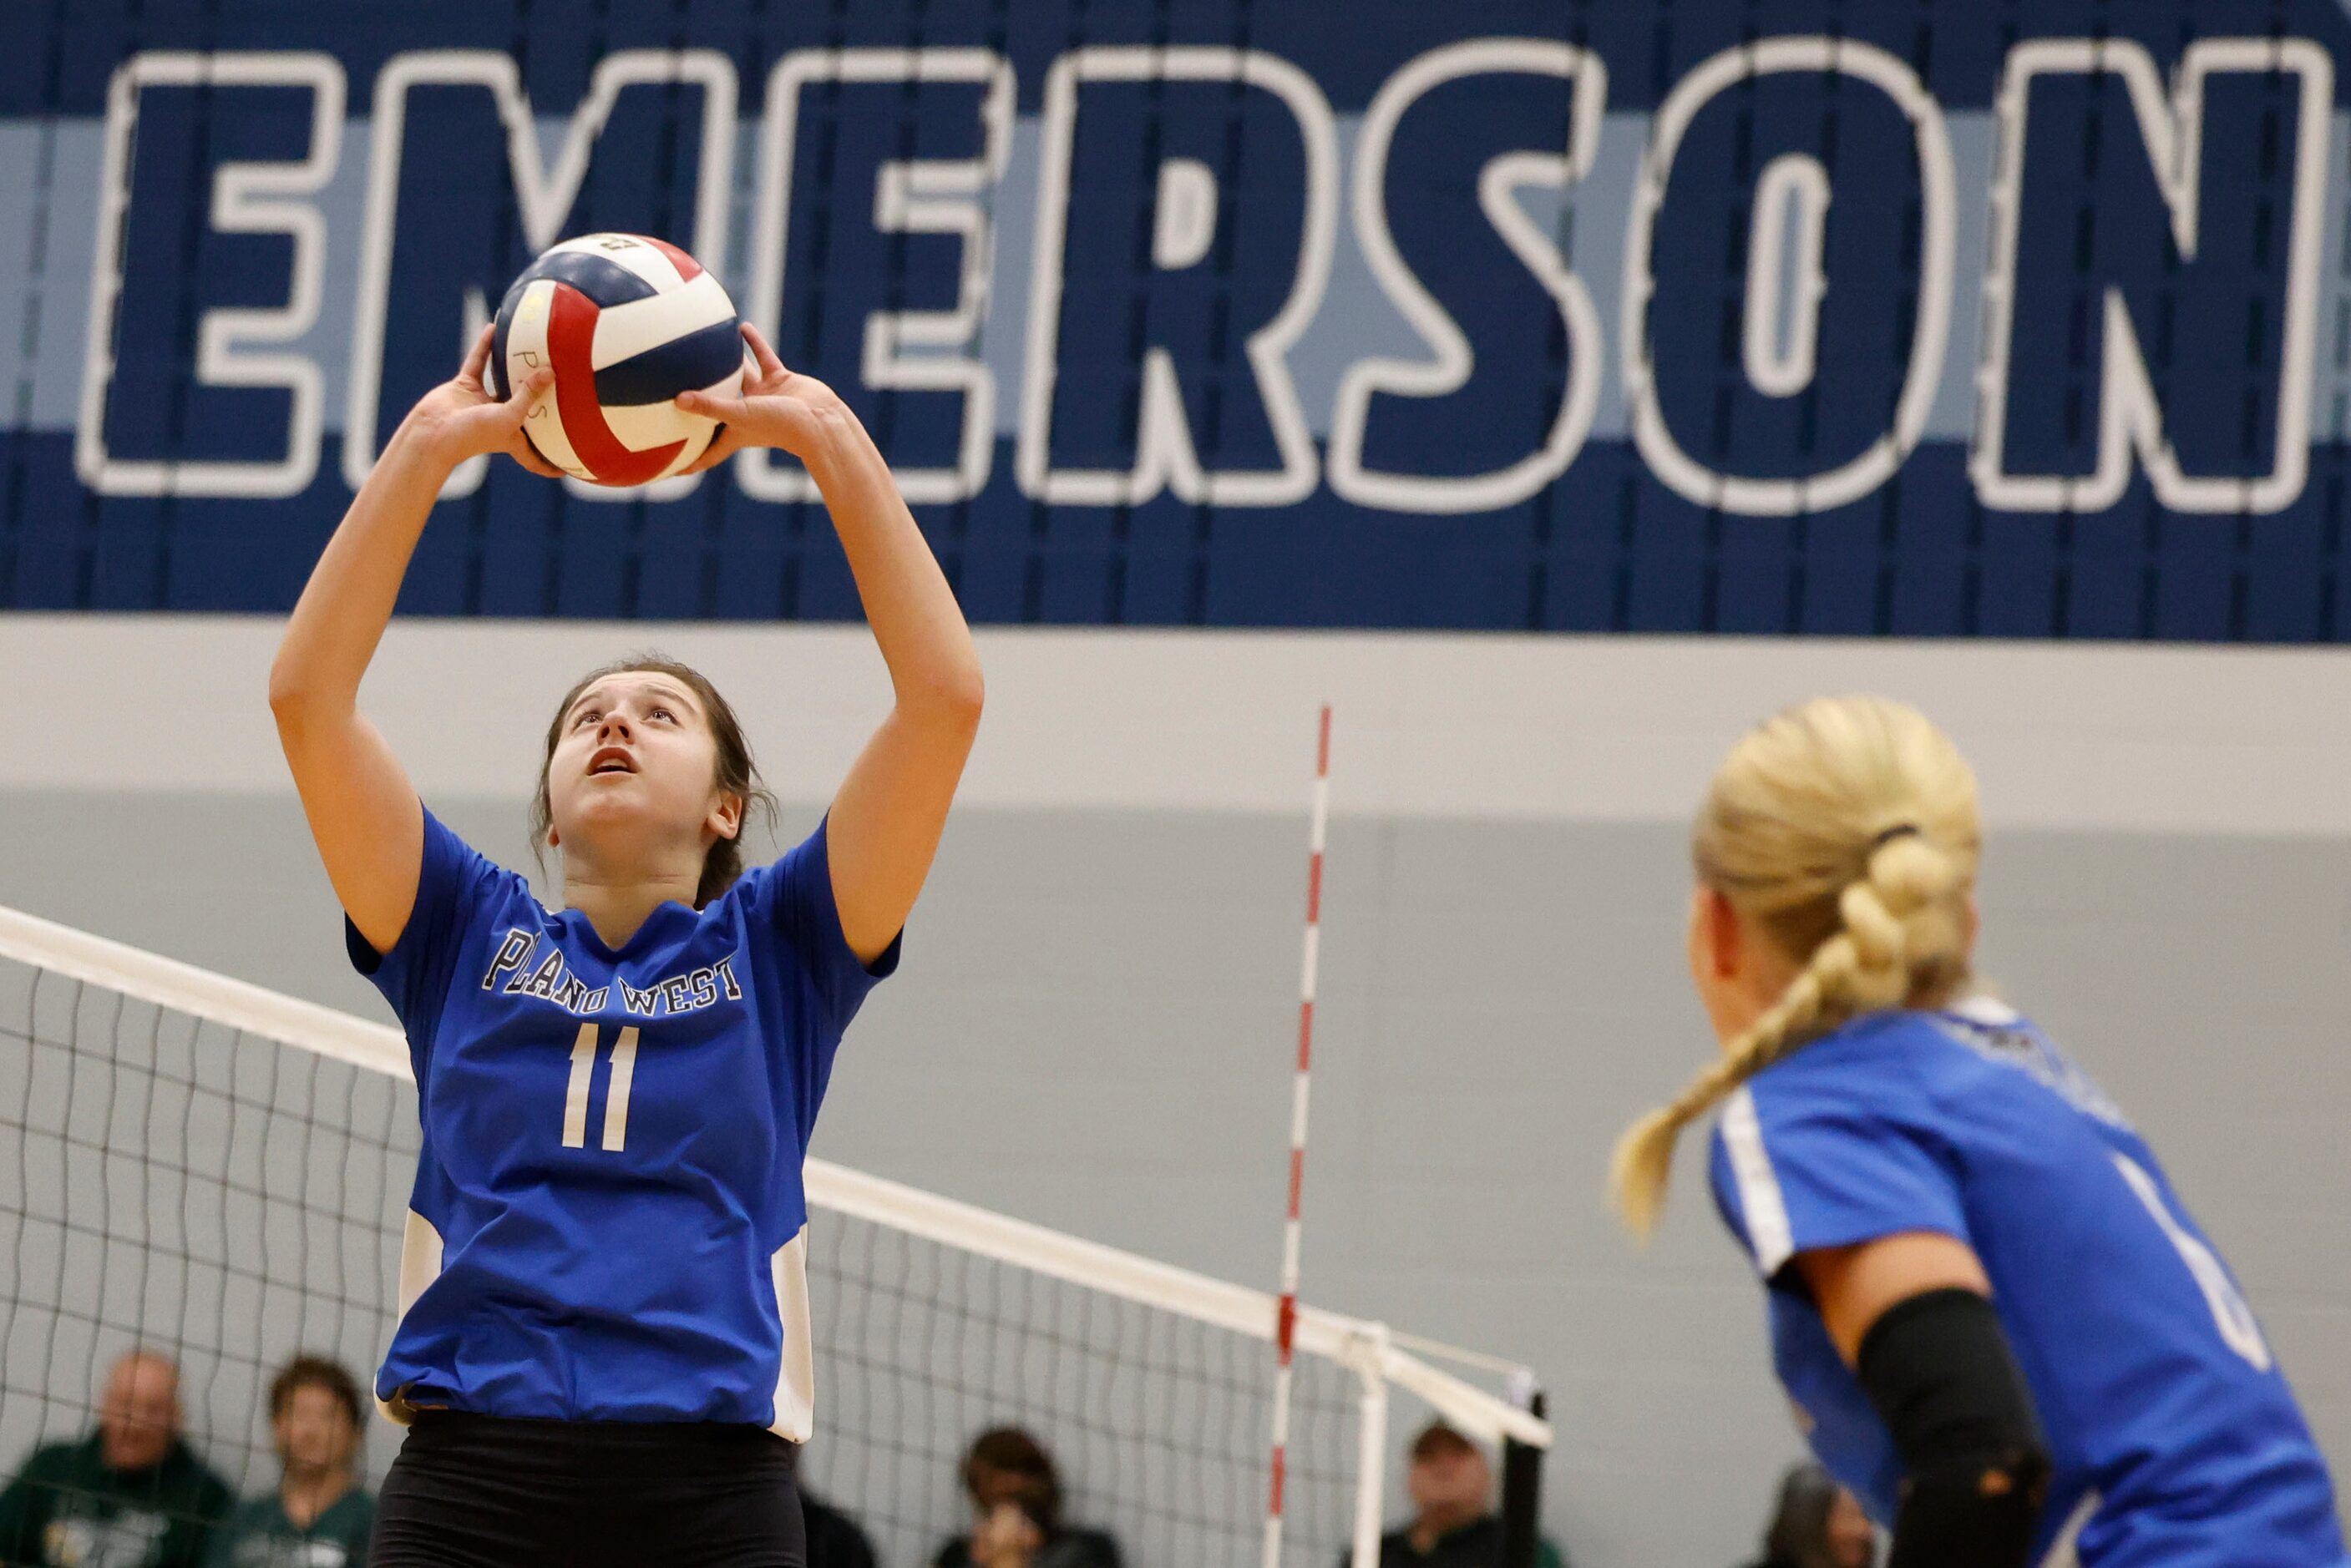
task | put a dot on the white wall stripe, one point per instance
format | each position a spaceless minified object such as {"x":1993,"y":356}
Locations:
{"x":2161,"y":738}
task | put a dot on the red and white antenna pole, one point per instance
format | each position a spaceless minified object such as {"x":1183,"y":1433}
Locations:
{"x":1286,"y":1321}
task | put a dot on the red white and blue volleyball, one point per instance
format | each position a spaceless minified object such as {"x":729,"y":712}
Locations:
{"x":628,"y":322}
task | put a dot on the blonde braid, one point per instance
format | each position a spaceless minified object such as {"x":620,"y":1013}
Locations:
{"x":1897,"y":932}
{"x":1641,"y":1167}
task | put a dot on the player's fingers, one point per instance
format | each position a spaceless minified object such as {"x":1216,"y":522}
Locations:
{"x":714,"y":406}
{"x":522,"y":452}
{"x":477,"y":357}
{"x":526,"y":393}
{"x":723,"y":445}
{"x":769,"y":366}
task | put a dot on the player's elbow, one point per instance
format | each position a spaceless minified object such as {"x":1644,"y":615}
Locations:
{"x":966,"y":693}
{"x":1980,"y":1513}
{"x":296,"y":696}
{"x":290,"y":695}
{"x":1938,"y":1369}
{"x":952,"y":697}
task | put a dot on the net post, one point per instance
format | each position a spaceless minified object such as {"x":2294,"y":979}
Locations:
{"x":1522,"y":1482}
{"x":1371,"y":1447}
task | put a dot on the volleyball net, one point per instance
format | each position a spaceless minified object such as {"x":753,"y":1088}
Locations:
{"x":218,"y":1172}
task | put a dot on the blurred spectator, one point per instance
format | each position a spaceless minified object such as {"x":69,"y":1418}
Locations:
{"x":1016,"y":1512}
{"x":130,"y":1495}
{"x":1454,"y":1523}
{"x":834,"y":1540}
{"x":1818,"y":1524}
{"x":318,"y":1517}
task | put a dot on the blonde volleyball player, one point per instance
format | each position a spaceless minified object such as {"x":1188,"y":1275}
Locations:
{"x":603,"y":1347}
{"x":1999,"y":1325}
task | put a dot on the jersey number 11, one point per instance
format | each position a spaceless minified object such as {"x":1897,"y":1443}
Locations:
{"x":616,"y":1091}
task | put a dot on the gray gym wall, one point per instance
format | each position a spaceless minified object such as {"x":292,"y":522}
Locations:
{"x":1092,"y":1027}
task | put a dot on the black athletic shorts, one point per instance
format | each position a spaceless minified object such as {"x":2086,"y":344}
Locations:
{"x":482,"y":1492}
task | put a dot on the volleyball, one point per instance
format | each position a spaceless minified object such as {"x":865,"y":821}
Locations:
{"x":627,"y":322}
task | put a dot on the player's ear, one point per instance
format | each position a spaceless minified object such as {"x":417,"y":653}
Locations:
{"x":1725,"y":940}
{"x":726,"y":818}
{"x":1696,"y":946}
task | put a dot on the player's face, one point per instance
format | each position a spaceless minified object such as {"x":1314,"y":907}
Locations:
{"x":632,"y":777}
{"x":140,"y":1415}
{"x":314,"y":1432}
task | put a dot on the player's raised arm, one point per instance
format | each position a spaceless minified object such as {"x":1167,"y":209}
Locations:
{"x":362,"y":811}
{"x":886,"y":819}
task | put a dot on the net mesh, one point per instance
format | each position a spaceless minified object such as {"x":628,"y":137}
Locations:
{"x":227,"y":1201}
{"x":1159,"y":1421}
{"x":180,"y":1185}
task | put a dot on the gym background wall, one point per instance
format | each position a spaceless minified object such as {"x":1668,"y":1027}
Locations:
{"x":1235,"y":360}
{"x":1094,"y":1024}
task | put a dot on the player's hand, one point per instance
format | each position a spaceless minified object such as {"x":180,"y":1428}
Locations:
{"x":459,"y":419}
{"x":777,"y":407}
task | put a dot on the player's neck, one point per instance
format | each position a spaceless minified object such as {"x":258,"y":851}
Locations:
{"x":618,"y":906}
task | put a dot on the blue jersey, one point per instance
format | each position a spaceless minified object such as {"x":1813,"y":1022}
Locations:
{"x":608,"y":1221}
{"x":2174,"y":1438}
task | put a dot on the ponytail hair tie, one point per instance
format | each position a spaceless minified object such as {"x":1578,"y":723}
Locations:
{"x":1900,"y":830}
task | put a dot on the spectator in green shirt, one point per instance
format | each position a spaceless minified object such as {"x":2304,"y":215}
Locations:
{"x":130,"y":1495}
{"x":318,"y":1517}
{"x":1454,"y":1523}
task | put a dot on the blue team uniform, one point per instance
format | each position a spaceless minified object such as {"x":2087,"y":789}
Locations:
{"x":608,"y":1221}
{"x":2174,"y":1438}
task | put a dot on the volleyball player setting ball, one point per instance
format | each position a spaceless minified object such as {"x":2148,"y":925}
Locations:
{"x":604,"y":1342}
{"x":1997,"y":1325}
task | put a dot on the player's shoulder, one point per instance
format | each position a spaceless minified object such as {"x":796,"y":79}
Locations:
{"x":1856,"y":1083}
{"x":1896,"y":1068}
{"x":1926,"y":1071}
{"x":457,"y":858}
{"x":765,"y":882}
{"x":1893,"y":1052}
